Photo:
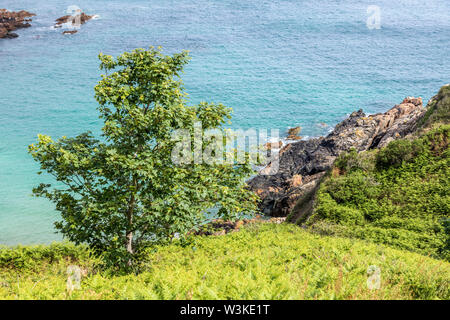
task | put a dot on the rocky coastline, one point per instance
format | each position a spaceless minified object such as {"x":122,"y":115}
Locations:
{"x":303,"y":163}
{"x":11,"y":21}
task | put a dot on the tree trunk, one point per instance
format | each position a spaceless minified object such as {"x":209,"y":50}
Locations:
{"x":129,"y":233}
{"x":130,"y":242}
{"x":130,"y":212}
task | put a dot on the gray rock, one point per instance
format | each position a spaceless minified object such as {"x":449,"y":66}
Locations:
{"x":308,"y":160}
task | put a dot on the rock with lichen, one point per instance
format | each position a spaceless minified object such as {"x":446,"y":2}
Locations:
{"x":303,"y":163}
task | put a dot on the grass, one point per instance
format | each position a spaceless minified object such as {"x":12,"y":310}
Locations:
{"x":262,"y":261}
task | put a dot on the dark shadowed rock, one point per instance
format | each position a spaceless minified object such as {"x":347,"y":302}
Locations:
{"x":303,"y":163}
{"x":11,"y":35}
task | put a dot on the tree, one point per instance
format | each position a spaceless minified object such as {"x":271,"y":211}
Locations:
{"x":122,"y":193}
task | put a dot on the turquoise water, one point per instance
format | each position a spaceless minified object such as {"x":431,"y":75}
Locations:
{"x":277,"y":63}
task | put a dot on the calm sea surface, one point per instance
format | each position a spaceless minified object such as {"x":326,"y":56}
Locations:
{"x":277,"y":63}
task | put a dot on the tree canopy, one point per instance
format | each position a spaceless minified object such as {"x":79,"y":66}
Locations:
{"x":122,"y":192}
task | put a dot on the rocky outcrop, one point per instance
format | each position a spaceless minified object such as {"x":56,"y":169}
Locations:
{"x":11,"y":21}
{"x":293,"y":133}
{"x":273,"y":145}
{"x":73,"y":21}
{"x":82,"y":18}
{"x":303,"y":163}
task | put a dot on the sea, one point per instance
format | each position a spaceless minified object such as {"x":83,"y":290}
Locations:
{"x":278,"y":64}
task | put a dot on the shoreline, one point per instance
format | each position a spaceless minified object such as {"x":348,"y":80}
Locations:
{"x":305,"y":185}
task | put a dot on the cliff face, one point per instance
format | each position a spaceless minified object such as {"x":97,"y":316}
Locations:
{"x":10,"y":21}
{"x":303,"y":163}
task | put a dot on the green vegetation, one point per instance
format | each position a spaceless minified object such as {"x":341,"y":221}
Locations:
{"x":438,"y":109}
{"x":399,"y":195}
{"x":262,"y":261}
{"x":131,"y":211}
{"x":124,"y":193}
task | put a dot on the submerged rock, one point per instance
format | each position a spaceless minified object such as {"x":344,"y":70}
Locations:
{"x":303,"y":163}
{"x":10,"y":21}
{"x":11,"y":35}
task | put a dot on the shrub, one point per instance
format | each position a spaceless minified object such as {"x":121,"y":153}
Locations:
{"x":400,"y":202}
{"x":262,"y":261}
{"x":398,"y":152}
{"x":352,"y":161}
{"x":31,"y":257}
{"x":438,"y":109}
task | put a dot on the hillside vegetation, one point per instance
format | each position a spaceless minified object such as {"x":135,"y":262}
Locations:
{"x":378,"y":217}
{"x":262,"y":261}
{"x":399,"y":195}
